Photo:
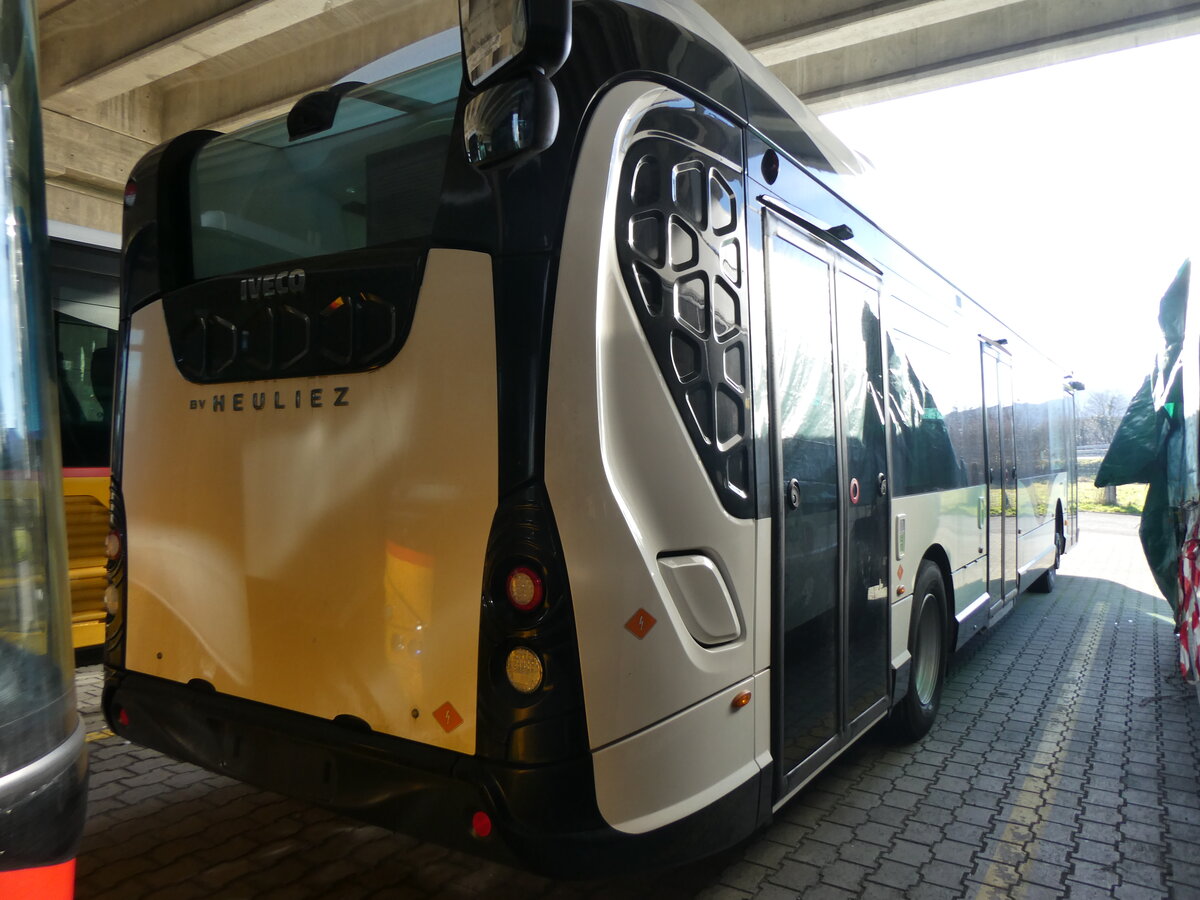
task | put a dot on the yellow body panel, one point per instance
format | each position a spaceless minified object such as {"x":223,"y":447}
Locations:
{"x":86,"y":505}
{"x":326,"y":559}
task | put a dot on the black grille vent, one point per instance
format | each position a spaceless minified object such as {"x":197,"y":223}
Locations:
{"x":318,"y":317}
{"x":681,"y":243}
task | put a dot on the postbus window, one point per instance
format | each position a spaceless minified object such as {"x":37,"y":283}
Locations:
{"x":83,"y":288}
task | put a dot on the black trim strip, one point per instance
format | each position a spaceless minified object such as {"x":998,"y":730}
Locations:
{"x":824,"y":234}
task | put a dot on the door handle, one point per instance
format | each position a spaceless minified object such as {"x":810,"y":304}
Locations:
{"x":793,"y":494}
{"x":882,"y":484}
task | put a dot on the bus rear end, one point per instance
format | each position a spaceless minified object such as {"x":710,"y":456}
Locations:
{"x":326,"y":578}
{"x":307,"y":469}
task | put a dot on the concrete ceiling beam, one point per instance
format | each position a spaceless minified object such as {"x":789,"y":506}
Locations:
{"x":88,"y":154}
{"x":164,"y":44}
{"x":779,"y":31}
{"x":76,"y":205}
{"x":239,"y":88}
{"x":998,"y":42}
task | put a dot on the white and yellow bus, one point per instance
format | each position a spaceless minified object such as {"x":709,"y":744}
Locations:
{"x":537,"y":452}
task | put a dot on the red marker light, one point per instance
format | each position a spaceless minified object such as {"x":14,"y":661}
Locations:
{"x":122,"y":716}
{"x":130,"y":192}
{"x":524,"y":588}
{"x":481,"y":824}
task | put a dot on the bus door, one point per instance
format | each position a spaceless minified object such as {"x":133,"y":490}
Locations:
{"x":1002,"y":475}
{"x":830,"y":509}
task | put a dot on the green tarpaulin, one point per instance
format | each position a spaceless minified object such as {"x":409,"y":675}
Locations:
{"x":1150,"y":444}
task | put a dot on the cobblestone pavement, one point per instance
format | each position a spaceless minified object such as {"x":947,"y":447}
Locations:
{"x":1065,"y":762}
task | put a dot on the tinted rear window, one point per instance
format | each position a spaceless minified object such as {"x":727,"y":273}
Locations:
{"x":373,"y":178}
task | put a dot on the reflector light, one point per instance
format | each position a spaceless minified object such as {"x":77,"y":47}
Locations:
{"x":741,"y":700}
{"x":112,"y":545}
{"x":130,"y":192}
{"x":481,"y":824}
{"x":112,"y":600}
{"x":524,"y":670}
{"x":122,"y":716}
{"x":524,"y":588}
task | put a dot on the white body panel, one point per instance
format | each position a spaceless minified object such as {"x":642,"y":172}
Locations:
{"x":946,"y":519}
{"x":698,"y":756}
{"x":627,"y":487}
{"x":1037,"y":500}
{"x":232,"y":536}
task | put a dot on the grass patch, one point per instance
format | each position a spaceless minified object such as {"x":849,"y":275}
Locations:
{"x":1130,"y":498}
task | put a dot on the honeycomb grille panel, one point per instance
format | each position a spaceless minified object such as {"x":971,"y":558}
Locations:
{"x":681,"y":245}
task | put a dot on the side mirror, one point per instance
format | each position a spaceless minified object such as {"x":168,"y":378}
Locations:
{"x":511,"y":121}
{"x":502,"y":37}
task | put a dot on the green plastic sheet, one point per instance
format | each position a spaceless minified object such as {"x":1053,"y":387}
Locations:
{"x":1149,"y":446}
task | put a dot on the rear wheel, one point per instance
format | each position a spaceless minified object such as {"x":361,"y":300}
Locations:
{"x":913,"y":716}
{"x":1045,"y":584}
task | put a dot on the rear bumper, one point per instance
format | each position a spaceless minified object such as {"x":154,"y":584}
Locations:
{"x":43,"y":806}
{"x":545,"y":817}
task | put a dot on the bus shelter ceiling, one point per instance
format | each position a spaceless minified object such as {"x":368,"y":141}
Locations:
{"x":119,"y":76}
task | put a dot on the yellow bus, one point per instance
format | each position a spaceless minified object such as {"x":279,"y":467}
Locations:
{"x":84,"y":295}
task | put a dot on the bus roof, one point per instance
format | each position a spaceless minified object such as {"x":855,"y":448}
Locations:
{"x":685,"y":13}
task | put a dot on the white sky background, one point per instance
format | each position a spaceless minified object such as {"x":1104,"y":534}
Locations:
{"x":1063,"y":199}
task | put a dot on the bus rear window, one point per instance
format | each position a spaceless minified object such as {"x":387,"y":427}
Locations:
{"x":373,"y":178}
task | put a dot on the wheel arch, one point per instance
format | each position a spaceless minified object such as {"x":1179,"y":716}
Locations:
{"x":937,"y":555}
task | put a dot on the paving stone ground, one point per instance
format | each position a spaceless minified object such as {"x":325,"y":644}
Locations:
{"x":1065,"y":763}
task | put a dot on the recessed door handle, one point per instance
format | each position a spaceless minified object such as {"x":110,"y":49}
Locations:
{"x":793,"y":494}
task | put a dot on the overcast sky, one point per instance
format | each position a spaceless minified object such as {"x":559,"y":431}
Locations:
{"x":1063,"y":199}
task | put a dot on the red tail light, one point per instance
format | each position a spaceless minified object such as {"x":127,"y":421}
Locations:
{"x":481,"y":824}
{"x":524,"y":588}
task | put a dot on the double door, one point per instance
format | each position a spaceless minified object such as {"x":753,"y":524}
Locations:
{"x":1002,"y":476}
{"x":831,"y":509}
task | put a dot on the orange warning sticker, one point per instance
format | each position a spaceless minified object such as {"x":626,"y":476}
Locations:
{"x":640,"y":624}
{"x":447,"y":716}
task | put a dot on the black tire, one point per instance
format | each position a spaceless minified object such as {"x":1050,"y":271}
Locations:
{"x":1045,"y":584}
{"x":913,"y":716}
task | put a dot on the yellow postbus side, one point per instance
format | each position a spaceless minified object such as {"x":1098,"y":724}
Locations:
{"x":85,"y":499}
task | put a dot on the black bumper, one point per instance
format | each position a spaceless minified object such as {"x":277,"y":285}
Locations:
{"x":545,"y":817}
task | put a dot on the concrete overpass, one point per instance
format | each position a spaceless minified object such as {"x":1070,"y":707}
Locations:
{"x":119,"y":76}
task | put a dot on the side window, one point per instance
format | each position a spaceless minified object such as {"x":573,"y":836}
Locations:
{"x":935,"y":400}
